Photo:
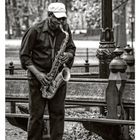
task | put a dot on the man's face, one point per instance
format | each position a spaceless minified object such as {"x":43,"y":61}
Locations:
{"x":55,"y":22}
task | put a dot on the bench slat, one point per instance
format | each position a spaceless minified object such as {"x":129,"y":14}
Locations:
{"x":82,"y":101}
{"x":75,"y":119}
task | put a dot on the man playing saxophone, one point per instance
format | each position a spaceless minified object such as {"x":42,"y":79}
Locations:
{"x":40,"y":47}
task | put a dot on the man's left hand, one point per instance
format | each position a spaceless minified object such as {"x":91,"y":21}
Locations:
{"x":66,"y":56}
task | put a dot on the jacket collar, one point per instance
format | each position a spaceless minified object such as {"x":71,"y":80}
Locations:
{"x":46,"y":27}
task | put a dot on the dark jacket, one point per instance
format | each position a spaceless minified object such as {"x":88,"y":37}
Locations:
{"x":36,"y":46}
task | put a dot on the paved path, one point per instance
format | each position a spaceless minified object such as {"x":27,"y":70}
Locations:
{"x":12,"y":51}
{"x":79,"y":44}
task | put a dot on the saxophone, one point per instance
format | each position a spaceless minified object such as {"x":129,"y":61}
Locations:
{"x":48,"y":91}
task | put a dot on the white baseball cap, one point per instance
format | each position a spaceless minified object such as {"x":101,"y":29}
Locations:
{"x":58,"y":9}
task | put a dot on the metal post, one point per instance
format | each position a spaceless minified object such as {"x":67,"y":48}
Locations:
{"x":115,"y":90}
{"x":11,"y":68}
{"x":86,"y":62}
{"x":132,"y":31}
{"x":104,"y":53}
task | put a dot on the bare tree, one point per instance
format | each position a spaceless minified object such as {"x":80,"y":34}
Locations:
{"x":120,"y":22}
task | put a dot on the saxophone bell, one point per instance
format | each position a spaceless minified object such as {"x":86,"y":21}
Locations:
{"x":49,"y":92}
{"x":65,"y":74}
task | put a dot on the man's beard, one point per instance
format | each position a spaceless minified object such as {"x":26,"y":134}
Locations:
{"x":53,"y":26}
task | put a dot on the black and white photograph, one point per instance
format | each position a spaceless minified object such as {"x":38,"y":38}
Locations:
{"x":69,"y":69}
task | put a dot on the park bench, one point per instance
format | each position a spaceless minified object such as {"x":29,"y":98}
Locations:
{"x":84,"y":70}
{"x":85,"y":97}
{"x":116,"y":93}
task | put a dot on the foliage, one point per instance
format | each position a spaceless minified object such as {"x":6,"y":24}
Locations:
{"x":72,"y":131}
{"x":20,"y":14}
{"x":86,"y":13}
{"x":82,"y":14}
{"x":23,"y":13}
{"x":78,"y":132}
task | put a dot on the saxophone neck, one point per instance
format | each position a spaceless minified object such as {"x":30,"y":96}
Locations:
{"x":61,"y":28}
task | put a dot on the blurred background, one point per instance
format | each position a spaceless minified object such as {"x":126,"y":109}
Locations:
{"x":84,"y":17}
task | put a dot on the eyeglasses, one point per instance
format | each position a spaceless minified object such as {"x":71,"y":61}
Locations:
{"x":59,"y":19}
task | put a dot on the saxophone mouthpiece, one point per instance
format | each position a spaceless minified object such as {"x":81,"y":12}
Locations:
{"x":61,"y":27}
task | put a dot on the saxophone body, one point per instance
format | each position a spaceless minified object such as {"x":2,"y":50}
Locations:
{"x":57,"y":78}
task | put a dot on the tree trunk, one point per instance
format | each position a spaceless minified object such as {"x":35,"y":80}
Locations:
{"x":17,"y":28}
{"x":7,"y":21}
{"x":122,"y":28}
{"x":120,"y":25}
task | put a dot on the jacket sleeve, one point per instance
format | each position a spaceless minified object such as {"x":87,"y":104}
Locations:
{"x":71,"y":48}
{"x":28,"y":41}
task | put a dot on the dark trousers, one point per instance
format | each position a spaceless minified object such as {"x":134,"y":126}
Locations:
{"x":37,"y":106}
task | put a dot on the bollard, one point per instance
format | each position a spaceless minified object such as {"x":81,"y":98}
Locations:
{"x":87,"y":70}
{"x":13,"y":107}
{"x":117,"y":79}
{"x":130,"y":60}
{"x":11,"y":71}
{"x":11,"y":68}
{"x":86,"y":62}
{"x":86,"y":66}
{"x":114,"y":92}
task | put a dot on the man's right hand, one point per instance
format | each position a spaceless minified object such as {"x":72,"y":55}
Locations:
{"x":42,"y":78}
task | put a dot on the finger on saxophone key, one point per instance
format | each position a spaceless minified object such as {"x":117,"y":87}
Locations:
{"x":46,"y":80}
